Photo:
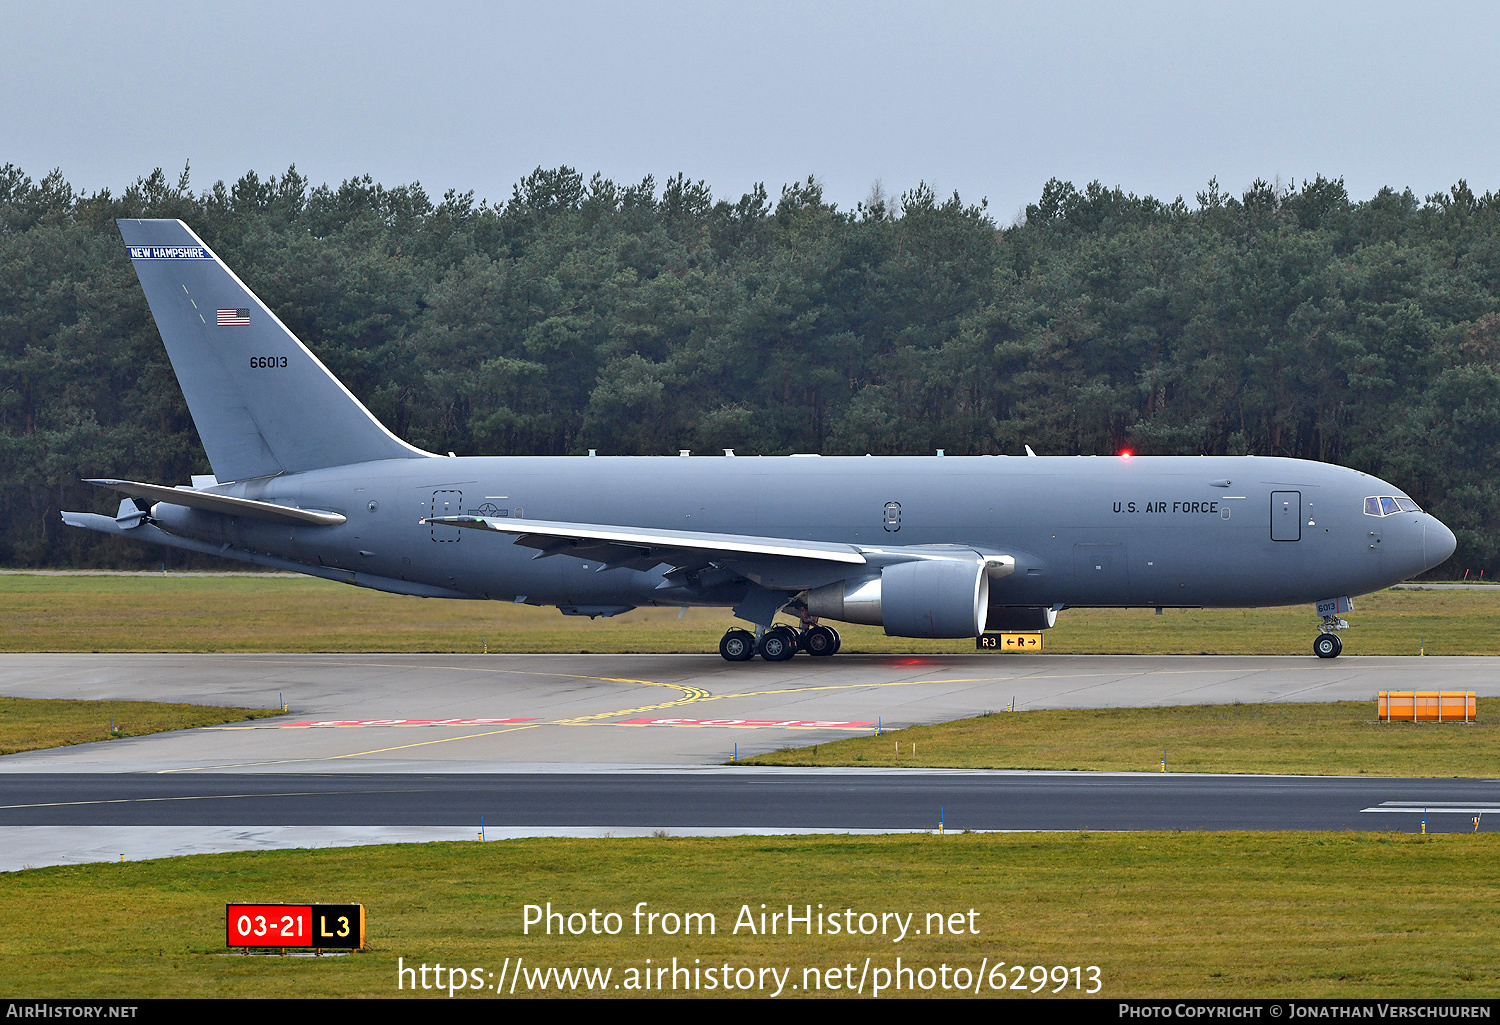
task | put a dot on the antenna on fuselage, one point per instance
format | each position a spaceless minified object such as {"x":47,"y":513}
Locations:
{"x":1029,"y":452}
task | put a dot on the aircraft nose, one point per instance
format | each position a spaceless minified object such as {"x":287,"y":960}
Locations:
{"x":1438,"y":542}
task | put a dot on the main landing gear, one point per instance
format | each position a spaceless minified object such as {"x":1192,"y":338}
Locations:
{"x":779,"y":643}
{"x":737,"y":646}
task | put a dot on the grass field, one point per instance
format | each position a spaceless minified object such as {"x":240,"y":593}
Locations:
{"x":250,"y":613}
{"x":1177,"y":914}
{"x":1167,"y":915}
{"x":1328,"y":739}
{"x":27,"y":724}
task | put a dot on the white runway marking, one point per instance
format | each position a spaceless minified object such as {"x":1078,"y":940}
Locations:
{"x":1436,"y":807}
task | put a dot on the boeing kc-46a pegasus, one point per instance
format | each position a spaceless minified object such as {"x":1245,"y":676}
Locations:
{"x":306,"y":479}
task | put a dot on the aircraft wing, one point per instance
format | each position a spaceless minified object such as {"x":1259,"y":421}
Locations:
{"x":645,"y":547}
{"x":226,"y":504}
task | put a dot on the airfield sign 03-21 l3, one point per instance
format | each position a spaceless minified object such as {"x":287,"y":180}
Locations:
{"x":311,"y":926}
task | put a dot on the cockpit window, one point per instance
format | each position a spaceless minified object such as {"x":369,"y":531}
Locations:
{"x":1386,"y":505}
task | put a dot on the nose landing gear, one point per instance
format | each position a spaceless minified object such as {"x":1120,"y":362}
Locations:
{"x":1328,"y":646}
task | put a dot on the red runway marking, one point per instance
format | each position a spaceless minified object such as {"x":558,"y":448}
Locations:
{"x":397,"y":722}
{"x":795,"y":724}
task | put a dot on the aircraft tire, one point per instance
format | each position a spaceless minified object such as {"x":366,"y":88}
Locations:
{"x":819,"y":640}
{"x":1327,"y":646}
{"x":737,"y":646}
{"x":792,"y":636}
{"x":838,"y":642}
{"x":777,"y":645}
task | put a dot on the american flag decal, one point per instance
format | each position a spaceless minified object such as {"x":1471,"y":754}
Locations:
{"x":234,"y":318}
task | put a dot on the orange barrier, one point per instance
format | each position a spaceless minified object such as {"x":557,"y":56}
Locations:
{"x":1427,"y":706}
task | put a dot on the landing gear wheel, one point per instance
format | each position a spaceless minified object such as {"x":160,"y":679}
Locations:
{"x":1327,"y":646}
{"x":820,"y":640}
{"x":838,"y":642}
{"x":778,"y":645}
{"x":737,"y":646}
{"x":792,"y":636}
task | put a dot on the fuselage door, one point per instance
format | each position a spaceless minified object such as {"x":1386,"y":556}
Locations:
{"x":892,"y":517}
{"x":1286,"y":516}
{"x":446,"y":503}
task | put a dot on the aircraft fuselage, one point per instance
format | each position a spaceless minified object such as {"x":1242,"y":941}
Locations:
{"x":1085,"y":531}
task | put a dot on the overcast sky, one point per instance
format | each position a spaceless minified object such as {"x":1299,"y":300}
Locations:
{"x":990,"y":99}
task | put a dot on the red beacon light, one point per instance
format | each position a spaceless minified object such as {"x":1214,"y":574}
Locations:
{"x":1126,"y":454}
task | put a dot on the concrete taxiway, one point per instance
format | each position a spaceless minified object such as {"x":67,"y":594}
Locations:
{"x":622,"y":744}
{"x":553,"y":711}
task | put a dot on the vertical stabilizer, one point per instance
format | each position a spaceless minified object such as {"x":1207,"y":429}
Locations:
{"x":262,"y":402}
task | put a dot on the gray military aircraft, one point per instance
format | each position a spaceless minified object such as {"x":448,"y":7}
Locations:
{"x":306,"y":479}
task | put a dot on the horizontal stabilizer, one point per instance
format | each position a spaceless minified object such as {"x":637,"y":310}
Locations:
{"x":226,"y":504}
{"x":155,"y":535}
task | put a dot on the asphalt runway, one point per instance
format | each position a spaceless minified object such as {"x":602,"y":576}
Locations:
{"x":382,"y":748}
{"x":794,"y":799}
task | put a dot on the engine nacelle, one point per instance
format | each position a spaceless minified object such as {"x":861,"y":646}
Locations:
{"x":926,"y":598}
{"x":1015,"y":619}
